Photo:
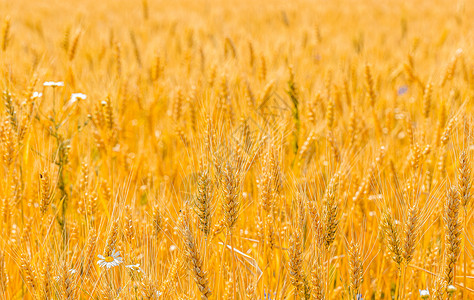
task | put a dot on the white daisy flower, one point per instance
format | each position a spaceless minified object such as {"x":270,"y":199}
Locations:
{"x":36,"y":95}
{"x":76,"y":96}
{"x":53,"y":83}
{"x":424,"y":294}
{"x":110,"y":261}
{"x":134,"y":267}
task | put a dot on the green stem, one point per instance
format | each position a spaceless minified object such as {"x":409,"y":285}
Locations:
{"x":397,"y":287}
{"x":464,"y":291}
{"x":233,"y":267}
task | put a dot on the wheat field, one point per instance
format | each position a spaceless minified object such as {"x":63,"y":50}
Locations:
{"x":236,"y":149}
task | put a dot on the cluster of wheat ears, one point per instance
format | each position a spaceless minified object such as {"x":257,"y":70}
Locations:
{"x":236,"y":149}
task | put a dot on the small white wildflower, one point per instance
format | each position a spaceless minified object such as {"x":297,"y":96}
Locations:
{"x":424,"y":294}
{"x":173,"y":248}
{"x":36,"y":95}
{"x":134,"y":267}
{"x":76,"y":96}
{"x":451,"y":289}
{"x":110,"y":261}
{"x":53,"y":83}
